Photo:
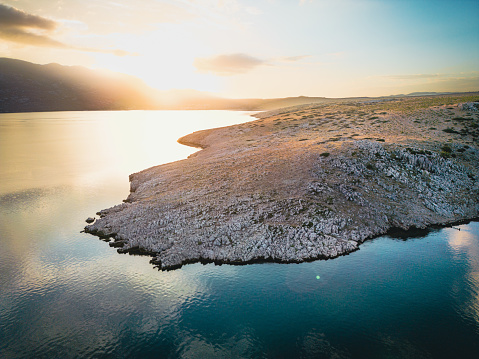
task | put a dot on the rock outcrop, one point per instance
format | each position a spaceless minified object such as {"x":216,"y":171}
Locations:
{"x":304,"y":183}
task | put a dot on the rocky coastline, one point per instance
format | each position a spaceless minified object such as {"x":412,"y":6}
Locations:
{"x":304,"y":183}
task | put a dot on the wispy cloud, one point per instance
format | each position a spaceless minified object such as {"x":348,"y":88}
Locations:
{"x":294,"y":58}
{"x":253,"y":10}
{"x":227,"y":65}
{"x":235,"y":64}
{"x":11,"y":17}
{"x":440,"y":82}
{"x":21,"y":27}
{"x":21,"y":36}
{"x":28,"y":29}
{"x":414,"y":77}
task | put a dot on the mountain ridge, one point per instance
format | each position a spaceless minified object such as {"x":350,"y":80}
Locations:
{"x":29,"y":87}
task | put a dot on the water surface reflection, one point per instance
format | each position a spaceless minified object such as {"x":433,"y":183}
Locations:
{"x":464,"y":242}
{"x":66,"y":294}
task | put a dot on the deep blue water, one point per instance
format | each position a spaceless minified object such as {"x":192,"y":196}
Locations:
{"x":66,"y":294}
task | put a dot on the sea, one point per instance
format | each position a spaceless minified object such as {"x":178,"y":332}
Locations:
{"x":67,"y":294}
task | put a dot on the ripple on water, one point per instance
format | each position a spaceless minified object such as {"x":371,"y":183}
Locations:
{"x":66,"y":294}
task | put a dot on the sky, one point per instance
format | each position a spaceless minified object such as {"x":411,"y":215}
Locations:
{"x":256,"y":48}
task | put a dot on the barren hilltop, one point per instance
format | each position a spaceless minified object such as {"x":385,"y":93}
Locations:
{"x":305,"y":182}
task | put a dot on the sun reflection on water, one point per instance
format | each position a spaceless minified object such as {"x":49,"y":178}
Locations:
{"x":78,"y":148}
{"x":465,"y":243}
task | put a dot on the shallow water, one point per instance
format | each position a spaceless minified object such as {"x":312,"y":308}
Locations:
{"x":66,"y":294}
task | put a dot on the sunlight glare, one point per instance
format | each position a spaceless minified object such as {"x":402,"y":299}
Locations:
{"x":164,"y":60}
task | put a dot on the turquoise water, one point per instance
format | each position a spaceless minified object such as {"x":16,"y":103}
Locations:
{"x":66,"y":294}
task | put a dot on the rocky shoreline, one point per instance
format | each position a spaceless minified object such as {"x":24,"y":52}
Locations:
{"x":304,"y":183}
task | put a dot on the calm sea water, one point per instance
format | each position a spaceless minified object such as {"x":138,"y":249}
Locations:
{"x":65,"y":294}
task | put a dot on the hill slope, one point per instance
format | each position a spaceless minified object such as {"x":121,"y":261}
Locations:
{"x":27,"y":87}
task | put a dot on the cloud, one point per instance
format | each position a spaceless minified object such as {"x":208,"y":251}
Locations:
{"x":11,"y":17}
{"x":337,"y":55}
{"x":27,"y":29}
{"x":413,"y":77}
{"x":21,"y":27}
{"x":235,"y":64}
{"x":116,"y":52}
{"x":24,"y":37}
{"x":453,"y":82}
{"x":293,"y":58}
{"x":227,"y":65}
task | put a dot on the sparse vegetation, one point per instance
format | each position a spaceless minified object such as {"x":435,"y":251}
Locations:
{"x":450,"y":130}
{"x":446,"y":151}
{"x":316,"y":201}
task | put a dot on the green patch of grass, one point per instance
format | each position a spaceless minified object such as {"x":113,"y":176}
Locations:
{"x":418,"y":152}
{"x":446,"y":148}
{"x":446,"y":151}
{"x":324,"y":154}
{"x":450,"y":130}
{"x":445,"y":154}
{"x":380,"y":140}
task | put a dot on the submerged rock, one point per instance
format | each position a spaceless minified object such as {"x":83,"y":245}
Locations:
{"x":265,"y":191}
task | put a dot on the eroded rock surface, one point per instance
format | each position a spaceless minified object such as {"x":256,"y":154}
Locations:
{"x":304,"y":183}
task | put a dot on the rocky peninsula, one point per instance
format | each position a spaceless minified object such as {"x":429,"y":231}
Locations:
{"x":305,"y":182}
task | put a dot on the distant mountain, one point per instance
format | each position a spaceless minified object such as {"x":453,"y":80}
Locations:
{"x":28,"y":87}
{"x":412,"y":94}
{"x":419,"y":94}
{"x":195,"y":100}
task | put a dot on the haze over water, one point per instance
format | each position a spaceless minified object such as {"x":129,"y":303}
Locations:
{"x":66,"y":294}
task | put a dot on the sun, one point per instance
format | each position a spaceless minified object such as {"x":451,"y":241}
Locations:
{"x":163,"y":60}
